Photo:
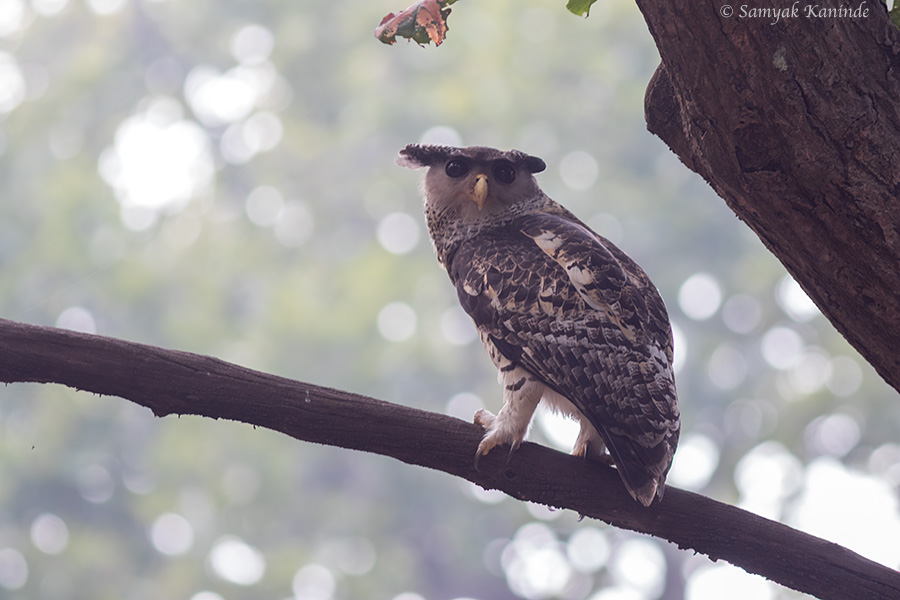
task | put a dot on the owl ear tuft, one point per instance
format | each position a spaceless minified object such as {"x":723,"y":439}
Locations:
{"x":534,"y":164}
{"x":409,"y":160}
{"x":419,"y":156}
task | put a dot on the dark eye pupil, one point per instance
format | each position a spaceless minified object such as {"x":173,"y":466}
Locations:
{"x":457,"y":168}
{"x":505,"y":173}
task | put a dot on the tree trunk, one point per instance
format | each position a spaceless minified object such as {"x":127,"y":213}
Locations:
{"x":796,"y":125}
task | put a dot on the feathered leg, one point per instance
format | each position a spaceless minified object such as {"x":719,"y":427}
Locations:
{"x":521,"y":394}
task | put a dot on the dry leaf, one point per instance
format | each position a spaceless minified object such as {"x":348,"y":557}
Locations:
{"x":423,"y":22}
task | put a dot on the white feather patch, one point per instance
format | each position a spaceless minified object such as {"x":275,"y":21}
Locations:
{"x":549,"y":242}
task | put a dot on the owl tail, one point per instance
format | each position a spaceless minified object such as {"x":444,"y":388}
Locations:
{"x":652,"y":488}
{"x":643,"y":470}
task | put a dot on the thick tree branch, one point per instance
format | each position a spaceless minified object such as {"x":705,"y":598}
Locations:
{"x":797,"y":126}
{"x":172,"y":382}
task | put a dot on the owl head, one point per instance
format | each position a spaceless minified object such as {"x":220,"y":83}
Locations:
{"x":474,"y":182}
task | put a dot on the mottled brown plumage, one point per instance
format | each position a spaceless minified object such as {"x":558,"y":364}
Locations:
{"x":565,"y":315}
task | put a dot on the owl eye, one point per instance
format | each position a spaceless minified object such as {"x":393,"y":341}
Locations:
{"x":505,"y":172}
{"x":457,"y":168}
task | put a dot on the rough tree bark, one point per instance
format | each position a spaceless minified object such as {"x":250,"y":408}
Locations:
{"x":797,"y":126}
{"x":171,"y":382}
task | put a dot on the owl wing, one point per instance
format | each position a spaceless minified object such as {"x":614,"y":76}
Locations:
{"x":578,"y":313}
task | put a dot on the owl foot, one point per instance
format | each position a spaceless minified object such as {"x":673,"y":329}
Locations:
{"x":590,"y":445}
{"x":496,"y":435}
{"x":595,"y":452}
{"x":485,"y":418}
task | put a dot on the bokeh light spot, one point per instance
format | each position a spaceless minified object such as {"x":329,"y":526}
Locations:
{"x":234,"y":560}
{"x":13,"y":569}
{"x":95,"y":484}
{"x":695,"y":462}
{"x":579,"y":170}
{"x":171,"y":534}
{"x":442,"y":136}
{"x":534,"y":563}
{"x":727,"y":367}
{"x":49,"y":8}
{"x":252,"y":44}
{"x":157,"y":161}
{"x":12,"y":83}
{"x":809,"y":371}
{"x":13,"y":17}
{"x":397,"y":322}
{"x":765,"y":476}
{"x":700,"y":296}
{"x":106,"y":7}
{"x":463,"y":406}
{"x":262,"y":131}
{"x":398,"y":232}
{"x":76,"y":318}
{"x":781,"y":346}
{"x":639,"y":563}
{"x":264,"y":205}
{"x":833,"y":435}
{"x":588,"y":549}
{"x":742,"y":313}
{"x":49,"y":534}
{"x":794,"y":301}
{"x":313,"y":582}
{"x":223,"y":98}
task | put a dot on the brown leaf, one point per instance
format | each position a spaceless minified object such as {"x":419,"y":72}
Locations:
{"x":423,"y":22}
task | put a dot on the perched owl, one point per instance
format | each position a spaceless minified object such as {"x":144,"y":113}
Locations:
{"x":565,"y":315}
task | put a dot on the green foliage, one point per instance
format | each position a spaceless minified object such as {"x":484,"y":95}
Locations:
{"x":895,"y":14}
{"x":582,"y":8}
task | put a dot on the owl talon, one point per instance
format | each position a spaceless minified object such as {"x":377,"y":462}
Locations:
{"x":478,"y":456}
{"x":512,"y":448}
{"x":484,"y":419}
{"x":485,"y":449}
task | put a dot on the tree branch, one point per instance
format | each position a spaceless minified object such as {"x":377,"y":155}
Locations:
{"x":796,"y":125}
{"x":172,"y":382}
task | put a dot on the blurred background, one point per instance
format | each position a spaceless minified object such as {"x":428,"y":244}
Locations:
{"x":219,"y":177}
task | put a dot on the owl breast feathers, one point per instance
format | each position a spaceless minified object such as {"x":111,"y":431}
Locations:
{"x":566,"y":316}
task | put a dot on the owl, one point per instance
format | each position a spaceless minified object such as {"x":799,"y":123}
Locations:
{"x":566,"y":316}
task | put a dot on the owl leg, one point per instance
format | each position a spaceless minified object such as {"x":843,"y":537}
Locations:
{"x":521,"y":394}
{"x":590,"y":445}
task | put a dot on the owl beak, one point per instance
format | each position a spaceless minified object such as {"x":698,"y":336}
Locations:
{"x":479,"y":191}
